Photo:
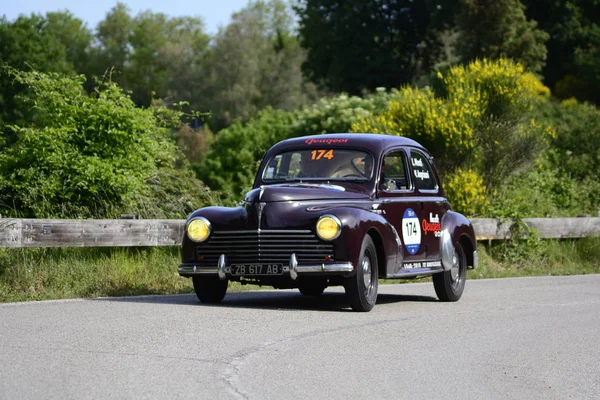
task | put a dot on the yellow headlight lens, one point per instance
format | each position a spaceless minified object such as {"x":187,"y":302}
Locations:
{"x":198,"y":230}
{"x":328,"y":227}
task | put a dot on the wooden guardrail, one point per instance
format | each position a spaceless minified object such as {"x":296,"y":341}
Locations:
{"x":153,"y":232}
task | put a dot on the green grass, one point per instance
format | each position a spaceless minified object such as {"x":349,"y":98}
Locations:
{"x":542,"y":258}
{"x":43,"y":274}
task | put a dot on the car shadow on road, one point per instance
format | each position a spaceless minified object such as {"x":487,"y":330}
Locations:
{"x":273,"y":300}
{"x":328,"y":301}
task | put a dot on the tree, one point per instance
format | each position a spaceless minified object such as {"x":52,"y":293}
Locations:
{"x":357,"y":45}
{"x":499,"y":28}
{"x":153,"y":55}
{"x":56,"y":42}
{"x":184,"y":55}
{"x":113,"y":35}
{"x":164,"y":51}
{"x":573,"y":65}
{"x":74,"y":35}
{"x":256,"y":62}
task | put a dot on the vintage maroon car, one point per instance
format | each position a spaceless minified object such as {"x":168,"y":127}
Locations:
{"x":334,"y":210}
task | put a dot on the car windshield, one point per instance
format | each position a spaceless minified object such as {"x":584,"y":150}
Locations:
{"x":319,"y":165}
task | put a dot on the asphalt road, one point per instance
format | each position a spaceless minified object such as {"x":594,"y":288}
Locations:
{"x":533,"y":338}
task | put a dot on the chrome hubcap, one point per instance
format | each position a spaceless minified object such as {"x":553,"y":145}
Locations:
{"x":454,"y":272}
{"x":366,"y":269}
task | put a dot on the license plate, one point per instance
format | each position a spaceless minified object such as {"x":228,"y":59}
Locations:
{"x":257,"y":269}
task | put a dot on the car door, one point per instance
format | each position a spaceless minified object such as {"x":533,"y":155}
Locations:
{"x":399,"y":203}
{"x":432,"y":205}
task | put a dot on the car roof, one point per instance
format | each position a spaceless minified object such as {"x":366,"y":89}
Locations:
{"x":375,"y":143}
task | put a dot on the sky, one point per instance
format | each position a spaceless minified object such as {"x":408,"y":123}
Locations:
{"x":213,"y":12}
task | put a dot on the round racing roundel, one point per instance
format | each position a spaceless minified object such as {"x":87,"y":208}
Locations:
{"x":411,"y":231}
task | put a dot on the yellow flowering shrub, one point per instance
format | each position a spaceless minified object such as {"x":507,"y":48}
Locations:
{"x":448,"y":121}
{"x":499,"y":85}
{"x":476,"y":118}
{"x":466,"y":191}
{"x":437,"y":124}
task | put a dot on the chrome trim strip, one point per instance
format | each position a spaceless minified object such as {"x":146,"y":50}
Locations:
{"x":475,"y":260}
{"x":262,"y":231}
{"x":193,"y":269}
{"x":447,"y":249}
{"x":293,"y":266}
{"x":411,"y":273}
{"x":221,"y":267}
{"x":337,"y":267}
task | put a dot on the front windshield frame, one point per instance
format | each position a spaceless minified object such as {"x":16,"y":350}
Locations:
{"x":326,"y":164}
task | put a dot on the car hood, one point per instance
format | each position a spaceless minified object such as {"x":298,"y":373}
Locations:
{"x":303,"y":192}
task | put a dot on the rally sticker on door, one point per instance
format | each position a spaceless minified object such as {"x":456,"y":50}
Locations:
{"x":411,"y":231}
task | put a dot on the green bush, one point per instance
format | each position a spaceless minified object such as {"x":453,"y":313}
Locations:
{"x":566,"y":182}
{"x":575,"y":148}
{"x":231,"y":163}
{"x":90,"y":155}
{"x":477,"y":119}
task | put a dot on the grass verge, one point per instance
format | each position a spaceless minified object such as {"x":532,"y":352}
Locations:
{"x":44,"y":274}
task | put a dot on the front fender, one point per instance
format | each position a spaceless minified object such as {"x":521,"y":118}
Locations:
{"x":220,"y":218}
{"x":456,"y":228}
{"x":356,"y":223}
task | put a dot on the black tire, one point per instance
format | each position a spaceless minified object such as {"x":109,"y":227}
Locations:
{"x":449,"y":285}
{"x":210,"y":289}
{"x":312,"y":287}
{"x":361,"y":289}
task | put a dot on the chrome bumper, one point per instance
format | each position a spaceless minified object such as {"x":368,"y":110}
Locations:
{"x":293,"y":269}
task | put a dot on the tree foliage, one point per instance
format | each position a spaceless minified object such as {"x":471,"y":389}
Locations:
{"x":233,"y":158}
{"x":360,"y":45}
{"x":499,"y":28}
{"x":575,"y":149}
{"x":56,"y":42}
{"x":151,"y":54}
{"x":573,"y":64}
{"x":87,"y":155}
{"x":256,"y":62}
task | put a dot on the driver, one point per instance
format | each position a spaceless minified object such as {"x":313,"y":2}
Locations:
{"x":309,"y":168}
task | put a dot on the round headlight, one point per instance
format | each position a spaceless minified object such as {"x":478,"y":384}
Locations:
{"x":198,"y":229}
{"x":329,"y":227}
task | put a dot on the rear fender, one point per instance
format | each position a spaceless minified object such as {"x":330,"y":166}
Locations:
{"x":456,"y":228}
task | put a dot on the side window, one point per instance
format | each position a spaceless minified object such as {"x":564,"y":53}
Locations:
{"x":393,"y":172}
{"x":424,"y":178}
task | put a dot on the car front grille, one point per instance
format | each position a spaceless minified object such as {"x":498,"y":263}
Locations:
{"x":264,"y":246}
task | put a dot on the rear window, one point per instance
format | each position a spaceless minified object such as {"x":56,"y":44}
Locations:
{"x":423,"y":174}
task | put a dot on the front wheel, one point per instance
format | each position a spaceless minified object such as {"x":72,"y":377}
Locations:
{"x":361,"y":289}
{"x":210,"y":289}
{"x":449,"y":285}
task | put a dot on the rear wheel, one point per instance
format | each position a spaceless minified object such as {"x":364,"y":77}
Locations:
{"x":449,"y":285}
{"x":361,"y":289}
{"x":210,"y":289}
